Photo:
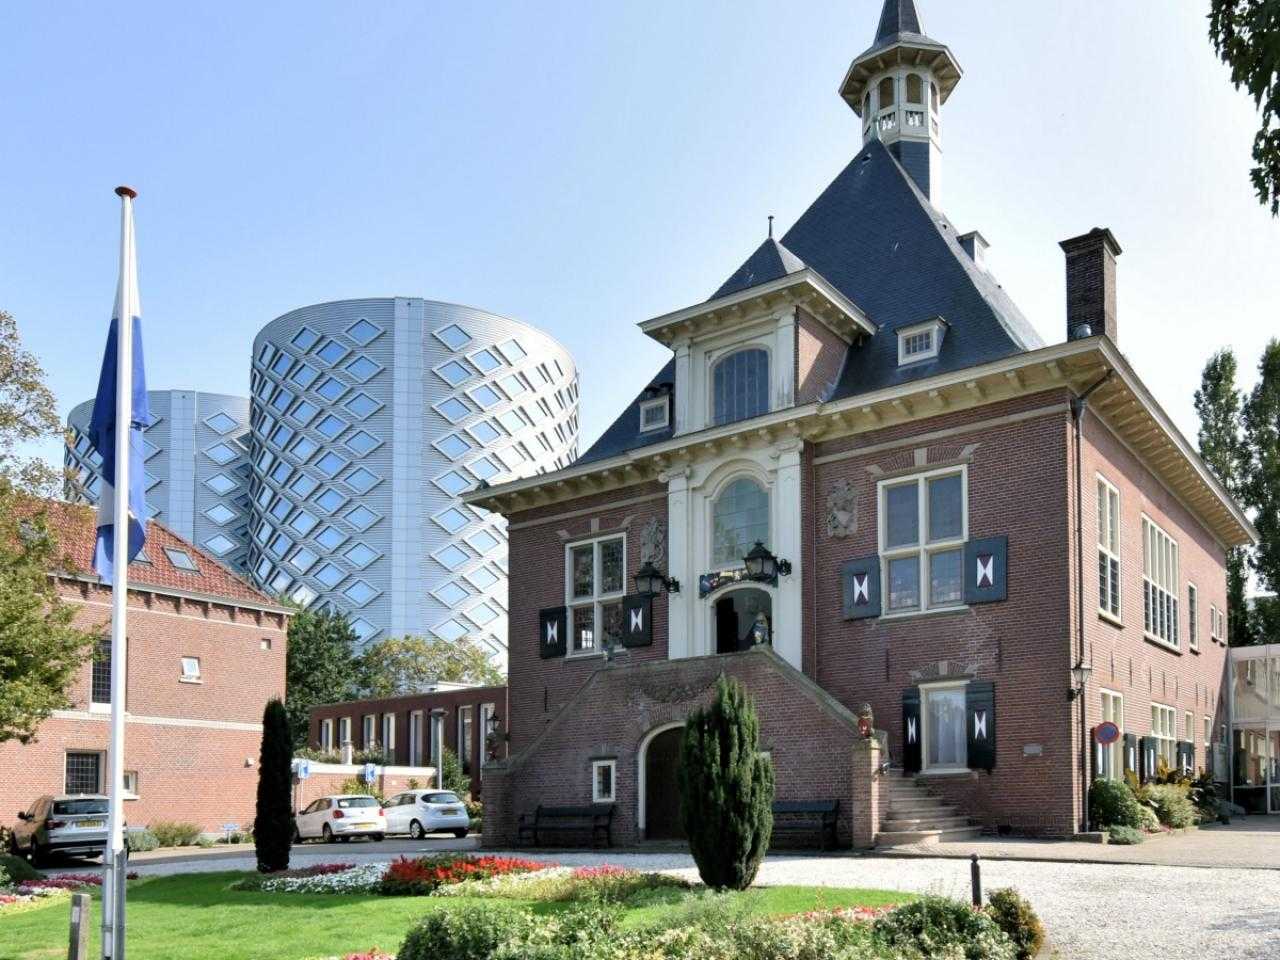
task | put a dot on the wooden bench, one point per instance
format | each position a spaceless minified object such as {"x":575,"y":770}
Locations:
{"x":807,"y":817}
{"x":596,"y":820}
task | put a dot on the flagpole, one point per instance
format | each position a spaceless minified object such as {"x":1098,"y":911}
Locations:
{"x":113,"y":881}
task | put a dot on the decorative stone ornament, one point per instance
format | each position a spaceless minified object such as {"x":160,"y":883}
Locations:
{"x":866,"y":721}
{"x":842,"y":509}
{"x":653,"y":540}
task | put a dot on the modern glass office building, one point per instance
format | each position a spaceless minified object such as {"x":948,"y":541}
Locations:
{"x":197,"y":468}
{"x":368,"y":418}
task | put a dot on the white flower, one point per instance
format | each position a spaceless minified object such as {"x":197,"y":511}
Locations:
{"x":361,"y":879}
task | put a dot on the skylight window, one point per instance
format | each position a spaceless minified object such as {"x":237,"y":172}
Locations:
{"x":181,"y":559}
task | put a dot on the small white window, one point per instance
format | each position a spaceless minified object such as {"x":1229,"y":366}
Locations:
{"x":1164,"y":723}
{"x":1193,"y":614}
{"x":602,"y":780}
{"x":654,"y":414}
{"x":1159,"y":585}
{"x":129,"y":785}
{"x":1108,"y":550}
{"x":1213,"y":623}
{"x":190,"y":670}
{"x":368,"y":732}
{"x":344,"y":730}
{"x":1208,"y":735}
{"x":326,"y":734}
{"x":389,"y":736}
{"x":921,"y":341}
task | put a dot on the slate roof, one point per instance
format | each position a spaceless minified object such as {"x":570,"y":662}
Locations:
{"x":771,"y":261}
{"x":75,"y":527}
{"x":874,"y":236}
{"x":898,"y":16}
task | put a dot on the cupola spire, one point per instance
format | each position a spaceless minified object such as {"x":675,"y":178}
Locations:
{"x":898,"y":85}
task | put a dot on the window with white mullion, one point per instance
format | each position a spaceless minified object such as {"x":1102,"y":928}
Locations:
{"x":1193,"y":613}
{"x":1111,"y":756}
{"x":1108,"y":549}
{"x":1164,"y":725}
{"x":595,"y":582}
{"x":923,"y":525}
{"x":1159,"y":584}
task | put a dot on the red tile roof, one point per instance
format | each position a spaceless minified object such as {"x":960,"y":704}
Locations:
{"x":74,"y":526}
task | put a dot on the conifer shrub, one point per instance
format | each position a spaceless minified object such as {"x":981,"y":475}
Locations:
{"x":273,"y":822}
{"x":726,"y":789}
{"x":1015,"y":916}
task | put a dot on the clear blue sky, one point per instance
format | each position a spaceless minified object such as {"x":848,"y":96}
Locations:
{"x":584,"y":166}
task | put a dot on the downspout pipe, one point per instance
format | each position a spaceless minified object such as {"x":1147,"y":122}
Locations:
{"x":1079,"y":404}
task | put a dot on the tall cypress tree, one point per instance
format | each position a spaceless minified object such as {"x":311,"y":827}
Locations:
{"x":273,"y":824}
{"x":1262,"y":484}
{"x":1218,"y":404}
{"x":726,"y":789}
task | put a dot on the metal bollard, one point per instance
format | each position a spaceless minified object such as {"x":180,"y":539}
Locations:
{"x":79,"y":946}
{"x":975,"y":879}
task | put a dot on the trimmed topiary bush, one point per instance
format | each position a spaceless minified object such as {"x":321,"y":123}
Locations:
{"x":939,"y":927}
{"x":726,"y":789}
{"x":273,"y":822}
{"x":1125,"y":836}
{"x":1172,"y":804}
{"x":1112,"y":804}
{"x":1018,"y":920}
{"x":17,"y":868}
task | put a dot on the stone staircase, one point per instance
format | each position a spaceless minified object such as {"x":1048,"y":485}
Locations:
{"x":910,"y":813}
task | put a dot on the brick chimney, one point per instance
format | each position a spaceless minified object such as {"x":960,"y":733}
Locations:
{"x":1091,"y":284}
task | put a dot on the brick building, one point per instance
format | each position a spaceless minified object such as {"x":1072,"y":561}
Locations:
{"x":206,"y":653}
{"x":412,"y":729}
{"x":999,"y":546}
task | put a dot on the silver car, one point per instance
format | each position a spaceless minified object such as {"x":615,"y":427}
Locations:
{"x":68,"y":824}
{"x":419,"y":812}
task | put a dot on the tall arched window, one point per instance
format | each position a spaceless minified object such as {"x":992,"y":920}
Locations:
{"x":740,"y":386}
{"x":886,"y":92}
{"x":739,"y":517}
{"x":915,"y":88}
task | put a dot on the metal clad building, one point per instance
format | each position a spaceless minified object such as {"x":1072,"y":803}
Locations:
{"x":368,"y":418}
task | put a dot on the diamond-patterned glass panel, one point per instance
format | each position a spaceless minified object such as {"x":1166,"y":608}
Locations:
{"x":305,"y":339}
{"x":219,"y":545}
{"x":330,"y":538}
{"x":452,"y":556}
{"x":221,"y":454}
{"x":303,"y":522}
{"x":361,"y":405}
{"x":484,"y":361}
{"x":361,"y":443}
{"x":360,"y":554}
{"x":452,"y":519}
{"x":361,"y":517}
{"x":452,"y":446}
{"x":483,"y":468}
{"x":330,"y":575}
{"x":221,"y":422}
{"x":483,"y":541}
{"x":482,"y":577}
{"x":362,"y":368}
{"x":304,"y":485}
{"x":484,"y":431}
{"x":304,"y":376}
{"x":330,"y":500}
{"x":453,"y":409}
{"x":331,"y":389}
{"x":453,"y":336}
{"x":450,"y":630}
{"x":360,"y":592}
{"x":304,"y":448}
{"x":363,"y":332}
{"x":361,"y":480}
{"x":330,"y":426}
{"x":452,"y":373}
{"x":332,"y":352}
{"x":482,"y":614}
{"x":512,"y":351}
{"x":220,"y":513}
{"x":303,"y":559}
{"x":451,"y":594}
{"x":452,"y":483}
{"x":485,"y":396}
{"x":363,"y":629}
{"x":330,"y":464}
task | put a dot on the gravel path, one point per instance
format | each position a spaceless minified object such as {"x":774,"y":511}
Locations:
{"x":1092,"y":911}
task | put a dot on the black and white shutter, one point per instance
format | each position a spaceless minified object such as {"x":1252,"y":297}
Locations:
{"x":1131,"y":757}
{"x":553,"y":632}
{"x":860,"y":584}
{"x":637,"y":615}
{"x":1148,"y":749}
{"x":980,"y":719}
{"x":911,"y":730}
{"x":986,"y":570}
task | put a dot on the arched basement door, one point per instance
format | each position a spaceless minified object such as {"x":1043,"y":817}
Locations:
{"x":662,"y":787}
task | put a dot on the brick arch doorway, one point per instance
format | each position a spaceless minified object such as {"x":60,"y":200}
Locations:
{"x":659,"y":794}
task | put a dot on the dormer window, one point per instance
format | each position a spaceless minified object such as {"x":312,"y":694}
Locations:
{"x":740,"y":386}
{"x":921,"y":341}
{"x":655,"y":414}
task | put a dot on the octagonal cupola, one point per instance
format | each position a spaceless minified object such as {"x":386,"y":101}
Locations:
{"x":897,"y":87}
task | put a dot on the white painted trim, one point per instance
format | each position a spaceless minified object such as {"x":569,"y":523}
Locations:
{"x":923,"y":549}
{"x":642,"y":756}
{"x":936,"y":328}
{"x":1117,"y":554}
{"x":596,"y":796}
{"x":1174,"y":576}
{"x":662,"y":403}
{"x":925,"y":690}
{"x":597,"y":598}
{"x":160,"y":721}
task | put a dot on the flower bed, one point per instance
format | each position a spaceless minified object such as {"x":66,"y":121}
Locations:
{"x":362,"y":879}
{"x":425,"y":875}
{"x":605,"y":883}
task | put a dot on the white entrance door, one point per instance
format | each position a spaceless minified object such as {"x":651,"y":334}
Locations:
{"x":944,"y":745}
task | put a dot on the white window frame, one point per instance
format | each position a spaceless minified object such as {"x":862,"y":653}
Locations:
{"x":735,"y":563}
{"x":1110,"y":598}
{"x":417,"y":726}
{"x":368,"y":730}
{"x":1114,"y":752}
{"x":1208,"y":735}
{"x":187,"y":673}
{"x":923,"y":548}
{"x":1160,"y":582}
{"x":1213,"y":622}
{"x":389,"y":737}
{"x":129,"y":785}
{"x":465,"y":720}
{"x":597,"y":796}
{"x":927,"y":690}
{"x":344,"y":731}
{"x":597,"y":600}
{"x":1193,"y":615}
{"x":717,"y":356}
{"x":1164,"y":729}
{"x":662,"y":403}
{"x":326,"y":735}
{"x":908,"y":335}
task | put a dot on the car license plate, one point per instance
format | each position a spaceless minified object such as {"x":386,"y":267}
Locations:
{"x":452,"y":811}
{"x":363,"y":826}
{"x":90,"y":824}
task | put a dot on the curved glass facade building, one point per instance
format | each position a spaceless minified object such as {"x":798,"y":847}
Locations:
{"x":197,"y":468}
{"x":368,"y":418}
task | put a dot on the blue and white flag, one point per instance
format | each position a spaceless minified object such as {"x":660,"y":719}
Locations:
{"x":102,"y":425}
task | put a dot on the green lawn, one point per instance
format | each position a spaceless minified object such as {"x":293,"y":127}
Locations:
{"x":198,"y":917}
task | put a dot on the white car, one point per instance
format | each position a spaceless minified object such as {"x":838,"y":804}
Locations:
{"x":419,"y":812}
{"x":341,"y":817}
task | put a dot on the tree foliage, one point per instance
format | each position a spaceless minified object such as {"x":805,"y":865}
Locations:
{"x":321,"y":666}
{"x":1262,"y":480}
{"x":1223,"y":447}
{"x":726,"y":789}
{"x":1246,"y":35}
{"x":451,"y":775}
{"x":273,"y":820}
{"x":403,"y":665}
{"x":28,"y":414}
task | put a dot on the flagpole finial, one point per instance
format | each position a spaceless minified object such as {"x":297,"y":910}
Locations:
{"x":129,"y":192}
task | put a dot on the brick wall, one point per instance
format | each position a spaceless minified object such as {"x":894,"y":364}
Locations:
{"x":188,"y":742}
{"x":819,"y":357}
